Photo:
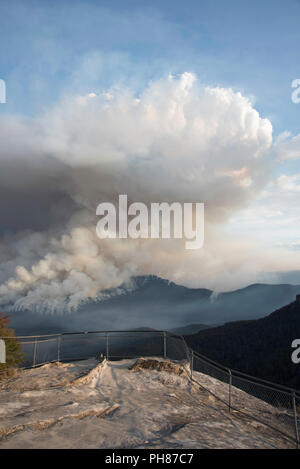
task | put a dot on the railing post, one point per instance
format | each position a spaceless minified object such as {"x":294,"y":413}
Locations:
{"x":165,"y":345}
{"x":295,"y":418}
{"x":107,"y":347}
{"x":192,"y":363}
{"x":58,"y":348}
{"x":34,"y":353}
{"x":230,"y":390}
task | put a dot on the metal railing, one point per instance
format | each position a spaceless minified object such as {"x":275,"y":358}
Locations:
{"x":274,"y":406}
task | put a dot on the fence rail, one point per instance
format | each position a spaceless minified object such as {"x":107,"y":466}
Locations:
{"x":275,"y":406}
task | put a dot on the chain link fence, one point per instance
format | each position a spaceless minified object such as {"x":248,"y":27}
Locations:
{"x":273,"y":406}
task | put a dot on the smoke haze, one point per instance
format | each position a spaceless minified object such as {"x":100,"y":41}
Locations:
{"x":175,"y":141}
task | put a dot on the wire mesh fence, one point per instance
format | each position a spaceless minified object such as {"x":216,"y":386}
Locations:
{"x":273,"y":406}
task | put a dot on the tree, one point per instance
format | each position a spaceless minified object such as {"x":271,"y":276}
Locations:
{"x":14,"y":354}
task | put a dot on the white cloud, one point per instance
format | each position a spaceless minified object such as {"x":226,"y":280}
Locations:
{"x":288,"y":183}
{"x":175,"y":141}
{"x":273,"y":219}
{"x":288,"y":146}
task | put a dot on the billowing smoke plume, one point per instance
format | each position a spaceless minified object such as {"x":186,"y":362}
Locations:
{"x":176,"y":141}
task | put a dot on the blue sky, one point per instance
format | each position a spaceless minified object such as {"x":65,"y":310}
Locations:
{"x":50,"y":48}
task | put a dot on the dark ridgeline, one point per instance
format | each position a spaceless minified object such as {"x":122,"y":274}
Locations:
{"x":260,"y":347}
{"x":159,"y":304}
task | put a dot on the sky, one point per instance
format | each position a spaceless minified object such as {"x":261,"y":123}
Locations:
{"x":225,"y":69}
{"x":52,"y":47}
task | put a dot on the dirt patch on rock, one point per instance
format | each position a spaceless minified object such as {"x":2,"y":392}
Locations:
{"x":143,"y":364}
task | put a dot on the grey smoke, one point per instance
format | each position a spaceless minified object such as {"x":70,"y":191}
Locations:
{"x":176,"y":141}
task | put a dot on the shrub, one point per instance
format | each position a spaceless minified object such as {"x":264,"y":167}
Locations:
{"x":14,"y":354}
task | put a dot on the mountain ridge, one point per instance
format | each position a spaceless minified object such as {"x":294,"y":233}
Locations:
{"x":160,"y":304}
{"x":260,"y":347}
